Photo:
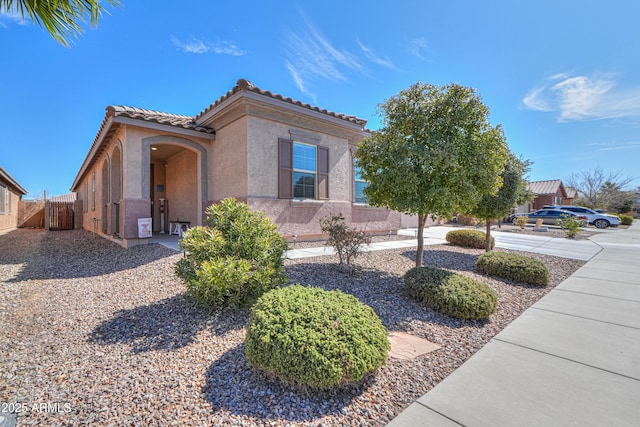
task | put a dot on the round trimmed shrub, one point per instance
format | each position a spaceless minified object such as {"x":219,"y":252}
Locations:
{"x":518,"y":268}
{"x":309,"y":336}
{"x":626,"y":219}
{"x":469,"y":239}
{"x":234,"y":259}
{"x":450,"y":293}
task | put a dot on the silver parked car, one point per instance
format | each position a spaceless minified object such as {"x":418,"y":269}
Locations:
{"x":597,"y":219}
{"x":548,"y":216}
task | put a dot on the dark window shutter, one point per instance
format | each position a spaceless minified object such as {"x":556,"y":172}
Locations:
{"x":285,"y":168}
{"x":323,"y":173}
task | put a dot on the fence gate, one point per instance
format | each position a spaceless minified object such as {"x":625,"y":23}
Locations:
{"x":60,"y":215}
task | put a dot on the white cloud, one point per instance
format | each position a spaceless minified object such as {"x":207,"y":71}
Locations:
{"x":419,"y":47}
{"x":12,"y":17}
{"x":615,"y":146}
{"x":311,"y":56}
{"x":299,"y":81}
{"x":191,"y":46}
{"x":371,"y":56}
{"x":577,"y":98}
{"x":226,"y":47}
{"x":198,"y":46}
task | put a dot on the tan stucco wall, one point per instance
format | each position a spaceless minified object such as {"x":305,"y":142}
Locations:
{"x":228,"y":162}
{"x":262,"y":157}
{"x":135,"y":195}
{"x":181,"y":187}
{"x":303,"y":218}
{"x":9,"y":219}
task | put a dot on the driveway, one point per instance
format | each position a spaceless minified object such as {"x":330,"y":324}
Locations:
{"x":582,"y":250}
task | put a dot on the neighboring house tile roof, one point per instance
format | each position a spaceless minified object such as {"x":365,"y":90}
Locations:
{"x":67,"y":198}
{"x":545,"y":187}
{"x":177,"y":120}
{"x":246,"y":85}
{"x":572,"y":193}
{"x":4,"y":176}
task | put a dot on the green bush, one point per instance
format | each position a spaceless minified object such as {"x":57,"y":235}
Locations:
{"x":467,"y":220}
{"x":450,"y":293}
{"x":234,"y":259}
{"x":309,"y":336}
{"x":570,"y":224}
{"x":346,"y":241}
{"x":626,"y":219}
{"x":514,"y":267}
{"x":469,"y":238}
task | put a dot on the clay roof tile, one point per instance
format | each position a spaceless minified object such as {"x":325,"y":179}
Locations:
{"x":244,"y":84}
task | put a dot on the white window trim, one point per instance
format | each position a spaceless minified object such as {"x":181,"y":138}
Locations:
{"x":314,"y":173}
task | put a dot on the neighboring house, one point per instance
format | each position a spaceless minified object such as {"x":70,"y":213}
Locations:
{"x":550,"y":192}
{"x":291,"y":160}
{"x":572,"y":194}
{"x":10,"y":195}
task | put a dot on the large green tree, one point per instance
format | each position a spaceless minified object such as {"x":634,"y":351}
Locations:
{"x":513,"y":192}
{"x":435,"y":154}
{"x":62,"y":19}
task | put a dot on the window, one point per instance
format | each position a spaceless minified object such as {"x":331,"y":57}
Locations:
{"x":303,"y":170}
{"x":360,"y":185}
{"x":3,"y":196}
{"x":9,"y":201}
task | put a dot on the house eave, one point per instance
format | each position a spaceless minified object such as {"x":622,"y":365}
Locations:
{"x":164,"y":128}
{"x":12,"y":182}
{"x":280,"y":104}
{"x":91,"y":155}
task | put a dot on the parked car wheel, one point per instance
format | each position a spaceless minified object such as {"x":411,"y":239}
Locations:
{"x":601,"y":223}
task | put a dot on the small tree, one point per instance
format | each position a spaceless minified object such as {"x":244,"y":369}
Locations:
{"x":594,"y":185}
{"x":570,"y":225}
{"x":436,"y":154}
{"x":346,"y":241}
{"x":512,"y":193}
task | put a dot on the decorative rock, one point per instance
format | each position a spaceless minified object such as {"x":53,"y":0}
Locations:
{"x":117,"y":331}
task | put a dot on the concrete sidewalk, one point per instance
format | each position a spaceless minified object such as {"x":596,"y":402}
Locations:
{"x":573,"y":358}
{"x":435,"y":235}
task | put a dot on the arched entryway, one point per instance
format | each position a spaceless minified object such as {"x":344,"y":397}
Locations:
{"x":176,"y":184}
{"x":115,"y":190}
{"x":104,"y":196}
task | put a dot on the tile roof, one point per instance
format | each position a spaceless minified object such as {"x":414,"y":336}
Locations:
{"x":545,"y":187}
{"x":246,"y":85}
{"x":177,"y":120}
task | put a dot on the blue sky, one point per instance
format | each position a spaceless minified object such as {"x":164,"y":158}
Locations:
{"x":562,"y":77}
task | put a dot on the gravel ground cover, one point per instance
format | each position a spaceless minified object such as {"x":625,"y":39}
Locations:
{"x":93,"y":334}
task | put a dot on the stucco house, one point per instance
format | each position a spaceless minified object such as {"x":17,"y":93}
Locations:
{"x":10,"y":195}
{"x":291,"y":160}
{"x":548,"y":192}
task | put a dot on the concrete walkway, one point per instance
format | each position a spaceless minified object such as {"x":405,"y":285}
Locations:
{"x":573,"y":358}
{"x":435,"y":235}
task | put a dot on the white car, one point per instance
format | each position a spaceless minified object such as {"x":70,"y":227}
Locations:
{"x":597,"y":219}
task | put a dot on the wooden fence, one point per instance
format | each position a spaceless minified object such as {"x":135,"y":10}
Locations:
{"x":60,"y":215}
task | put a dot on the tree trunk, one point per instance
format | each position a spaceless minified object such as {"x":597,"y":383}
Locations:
{"x":420,"y":250}
{"x":488,"y":239}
